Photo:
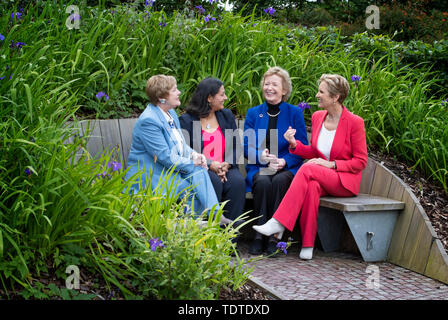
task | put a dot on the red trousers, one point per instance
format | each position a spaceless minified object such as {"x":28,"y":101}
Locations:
{"x":310,"y":183}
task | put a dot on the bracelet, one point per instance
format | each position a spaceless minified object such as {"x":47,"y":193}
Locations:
{"x":334,"y":166}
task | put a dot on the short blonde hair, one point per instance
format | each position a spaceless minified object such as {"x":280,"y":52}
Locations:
{"x":337,"y":85}
{"x":286,"y":80}
{"x":159,"y":86}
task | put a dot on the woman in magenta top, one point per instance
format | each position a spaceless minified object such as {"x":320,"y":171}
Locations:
{"x":209,"y":127}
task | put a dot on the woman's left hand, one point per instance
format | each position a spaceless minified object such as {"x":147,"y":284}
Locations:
{"x":322,"y":162}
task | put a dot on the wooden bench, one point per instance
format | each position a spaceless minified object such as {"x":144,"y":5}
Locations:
{"x":414,"y":245}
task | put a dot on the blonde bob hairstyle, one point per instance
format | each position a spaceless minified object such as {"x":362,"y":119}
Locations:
{"x":158,"y":87}
{"x":337,"y":86}
{"x":286,"y":80}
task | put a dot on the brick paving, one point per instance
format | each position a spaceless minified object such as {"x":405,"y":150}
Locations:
{"x":342,"y":276}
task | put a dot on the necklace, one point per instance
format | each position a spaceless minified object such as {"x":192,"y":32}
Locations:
{"x":208,"y":126}
{"x":273,"y":115}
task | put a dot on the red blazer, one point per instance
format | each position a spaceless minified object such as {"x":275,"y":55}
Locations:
{"x":349,"y":148}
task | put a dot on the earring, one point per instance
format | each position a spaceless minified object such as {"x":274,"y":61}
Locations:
{"x":162,"y":101}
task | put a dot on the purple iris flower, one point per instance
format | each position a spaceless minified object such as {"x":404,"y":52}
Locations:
{"x":149,"y":3}
{"x":1,"y":78}
{"x":76,"y":17}
{"x":156,"y":243}
{"x":211,"y":1}
{"x":356,"y":78}
{"x":28,"y":172}
{"x":282,"y":246}
{"x":2,"y":37}
{"x":162,"y":24}
{"x":208,"y":17}
{"x":303,"y":105}
{"x":270,"y":11}
{"x":16,"y":15}
{"x":114,"y":165}
{"x":17,"y":45}
{"x":101,"y":94}
{"x":200,"y":8}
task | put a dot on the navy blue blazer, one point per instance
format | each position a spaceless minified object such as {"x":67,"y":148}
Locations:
{"x":191,"y":128}
{"x":255,"y":130}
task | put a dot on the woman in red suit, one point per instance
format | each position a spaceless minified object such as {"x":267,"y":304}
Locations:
{"x":337,"y":153}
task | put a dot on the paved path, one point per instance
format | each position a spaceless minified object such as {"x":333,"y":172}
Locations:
{"x":339,"y":276}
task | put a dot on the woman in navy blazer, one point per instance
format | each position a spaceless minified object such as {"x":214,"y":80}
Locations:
{"x":271,"y":167}
{"x":207,"y":119}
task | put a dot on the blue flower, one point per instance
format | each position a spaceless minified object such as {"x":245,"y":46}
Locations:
{"x":28,"y":172}
{"x":16,"y":15}
{"x":2,"y":37}
{"x":208,"y":17}
{"x":156,"y":243}
{"x":149,"y":3}
{"x":282,"y":246}
{"x":356,"y":78}
{"x":270,"y":11}
{"x":200,"y":8}
{"x":114,"y":165}
{"x":17,"y":45}
{"x":162,"y":24}
{"x":445,"y":102}
{"x":101,"y":94}
{"x":303,"y":105}
{"x":76,"y":17}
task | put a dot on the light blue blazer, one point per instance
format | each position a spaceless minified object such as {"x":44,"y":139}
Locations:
{"x":154,"y":151}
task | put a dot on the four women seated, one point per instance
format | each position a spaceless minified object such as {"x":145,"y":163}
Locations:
{"x":206,"y":152}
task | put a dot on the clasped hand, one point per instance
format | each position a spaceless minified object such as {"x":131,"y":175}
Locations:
{"x":275,"y":164}
{"x":221,"y":169}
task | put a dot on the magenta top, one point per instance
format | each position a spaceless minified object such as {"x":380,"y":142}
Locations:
{"x":214,"y":145}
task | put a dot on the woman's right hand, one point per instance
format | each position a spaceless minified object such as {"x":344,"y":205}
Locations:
{"x":200,"y":160}
{"x":290,"y":137}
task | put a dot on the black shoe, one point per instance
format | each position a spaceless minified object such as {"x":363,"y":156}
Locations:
{"x":271,"y":249}
{"x":256,"y":247}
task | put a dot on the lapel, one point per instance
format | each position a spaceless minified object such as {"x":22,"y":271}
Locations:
{"x":167,"y":127}
{"x":339,"y":138}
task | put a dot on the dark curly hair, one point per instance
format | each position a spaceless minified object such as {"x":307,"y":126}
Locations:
{"x":198,"y":104}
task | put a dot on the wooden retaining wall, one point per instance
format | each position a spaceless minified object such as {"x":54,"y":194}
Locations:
{"x":414,"y":246}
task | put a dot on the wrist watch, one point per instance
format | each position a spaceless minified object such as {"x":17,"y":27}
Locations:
{"x":334,"y":166}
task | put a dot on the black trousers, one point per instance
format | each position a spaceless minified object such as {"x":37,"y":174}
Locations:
{"x":268,"y":191}
{"x":234,"y":190}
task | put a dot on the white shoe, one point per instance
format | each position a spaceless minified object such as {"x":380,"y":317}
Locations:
{"x":271,"y":227}
{"x":306,"y":253}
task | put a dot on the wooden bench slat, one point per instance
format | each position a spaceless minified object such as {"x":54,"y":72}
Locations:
{"x":362,"y":202}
